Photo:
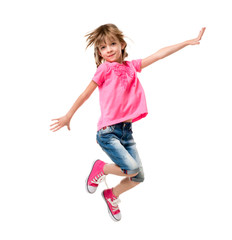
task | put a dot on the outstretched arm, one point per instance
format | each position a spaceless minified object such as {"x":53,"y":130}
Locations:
{"x":164,"y":52}
{"x":65,"y":120}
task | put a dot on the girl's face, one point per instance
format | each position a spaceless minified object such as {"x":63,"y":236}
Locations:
{"x":111,"y":50}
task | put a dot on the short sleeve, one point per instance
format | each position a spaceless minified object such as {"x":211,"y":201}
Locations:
{"x":99,"y":76}
{"x":137,"y":64}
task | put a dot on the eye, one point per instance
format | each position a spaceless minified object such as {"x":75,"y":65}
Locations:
{"x":102,"y":47}
{"x":113,"y":43}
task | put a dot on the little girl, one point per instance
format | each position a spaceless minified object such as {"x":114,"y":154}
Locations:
{"x":122,"y":102}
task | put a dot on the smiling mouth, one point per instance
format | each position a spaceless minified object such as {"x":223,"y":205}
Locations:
{"x":111,"y":55}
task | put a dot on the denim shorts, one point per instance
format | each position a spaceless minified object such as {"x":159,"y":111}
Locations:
{"x":118,"y":143}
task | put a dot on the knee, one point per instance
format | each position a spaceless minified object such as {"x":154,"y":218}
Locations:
{"x":132,"y":175}
{"x":136,"y":179}
{"x":139,"y":177}
{"x":136,"y":174}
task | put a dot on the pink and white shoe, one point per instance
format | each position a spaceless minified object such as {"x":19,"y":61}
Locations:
{"x":96,"y":176}
{"x":112,"y":204}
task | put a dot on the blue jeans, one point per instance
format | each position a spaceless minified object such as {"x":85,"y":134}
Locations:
{"x":118,"y":143}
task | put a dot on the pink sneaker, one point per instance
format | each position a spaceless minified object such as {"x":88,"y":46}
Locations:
{"x":112,"y":203}
{"x":96,"y":176}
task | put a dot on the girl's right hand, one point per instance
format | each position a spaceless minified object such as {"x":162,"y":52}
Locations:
{"x":60,"y":122}
{"x":197,"y":40}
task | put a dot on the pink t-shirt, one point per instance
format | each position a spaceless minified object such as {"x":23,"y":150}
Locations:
{"x":121,"y":94}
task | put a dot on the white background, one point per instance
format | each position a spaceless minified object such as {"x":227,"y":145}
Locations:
{"x":184,"y":142}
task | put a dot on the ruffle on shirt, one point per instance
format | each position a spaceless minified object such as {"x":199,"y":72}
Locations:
{"x":125,"y":73}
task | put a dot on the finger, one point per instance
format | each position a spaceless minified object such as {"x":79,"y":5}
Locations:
{"x":201,"y":33}
{"x":55,"y":129}
{"x":52,"y":129}
{"x":54,"y":124}
{"x":56,"y":119}
{"x":199,"y":36}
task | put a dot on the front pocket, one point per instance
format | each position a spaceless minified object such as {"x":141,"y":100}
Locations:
{"x":106,"y":130}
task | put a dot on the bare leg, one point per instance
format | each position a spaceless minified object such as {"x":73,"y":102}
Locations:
{"x":125,"y":184}
{"x":115,"y":170}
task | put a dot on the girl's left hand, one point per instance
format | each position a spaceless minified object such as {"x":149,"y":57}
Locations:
{"x":197,"y":40}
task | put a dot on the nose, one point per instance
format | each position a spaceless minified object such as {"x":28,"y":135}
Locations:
{"x":109,"y":48}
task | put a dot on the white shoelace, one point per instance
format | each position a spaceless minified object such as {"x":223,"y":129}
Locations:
{"x":114,"y":203}
{"x":100,"y":178}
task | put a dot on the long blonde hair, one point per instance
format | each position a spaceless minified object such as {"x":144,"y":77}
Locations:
{"x":99,"y":35}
